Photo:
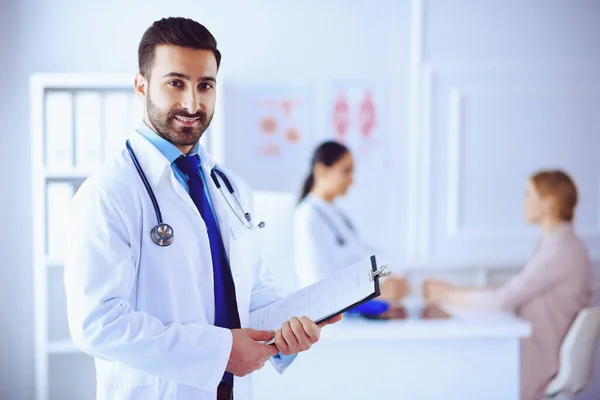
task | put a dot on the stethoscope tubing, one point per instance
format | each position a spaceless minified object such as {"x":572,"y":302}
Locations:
{"x":164,"y":236}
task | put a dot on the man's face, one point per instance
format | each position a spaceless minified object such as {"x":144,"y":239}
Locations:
{"x":179,"y":94}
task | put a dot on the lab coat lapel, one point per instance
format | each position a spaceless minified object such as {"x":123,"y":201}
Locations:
{"x":156,"y":166}
{"x":183,"y":195}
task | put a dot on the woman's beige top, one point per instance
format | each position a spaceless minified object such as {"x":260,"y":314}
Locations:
{"x":554,"y":286}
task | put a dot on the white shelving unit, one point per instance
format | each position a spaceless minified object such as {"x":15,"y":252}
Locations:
{"x":52,"y":126}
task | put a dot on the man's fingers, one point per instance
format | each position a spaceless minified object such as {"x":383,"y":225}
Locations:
{"x":260,"y":336}
{"x":331,"y":321}
{"x":300,"y":334}
{"x":311,"y":329}
{"x":281,"y":344}
{"x":288,"y":335}
{"x":269,"y":351}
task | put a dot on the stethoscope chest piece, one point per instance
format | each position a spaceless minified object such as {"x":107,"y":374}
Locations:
{"x":162,"y":234}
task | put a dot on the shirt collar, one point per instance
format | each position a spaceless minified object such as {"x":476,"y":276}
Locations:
{"x":166,"y":148}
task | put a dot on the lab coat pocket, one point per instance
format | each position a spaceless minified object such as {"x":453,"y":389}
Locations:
{"x":124,"y":383}
{"x":243,"y":250}
{"x":242,"y":260}
{"x":144,"y":392}
{"x":133,"y":391}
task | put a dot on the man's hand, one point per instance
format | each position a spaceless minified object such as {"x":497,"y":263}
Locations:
{"x":330,"y":321}
{"x":297,"y":335}
{"x":247,"y":353}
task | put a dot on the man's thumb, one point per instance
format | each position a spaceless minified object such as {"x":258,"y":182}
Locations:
{"x":260,"y":336}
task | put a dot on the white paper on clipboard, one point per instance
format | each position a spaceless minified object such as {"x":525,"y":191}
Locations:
{"x":325,"y":299}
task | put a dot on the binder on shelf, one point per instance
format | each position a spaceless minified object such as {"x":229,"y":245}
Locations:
{"x":136,"y":108}
{"x":59,"y":196}
{"x":59,"y":129}
{"x":88,"y":135}
{"x":116,"y":122}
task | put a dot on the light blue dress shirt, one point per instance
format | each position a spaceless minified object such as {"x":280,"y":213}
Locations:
{"x":171,"y":153}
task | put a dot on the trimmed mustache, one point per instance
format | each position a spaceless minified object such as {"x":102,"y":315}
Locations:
{"x":182,"y":113}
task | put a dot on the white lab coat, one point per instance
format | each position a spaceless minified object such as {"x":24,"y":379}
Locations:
{"x":317,"y":253}
{"x":145,"y":312}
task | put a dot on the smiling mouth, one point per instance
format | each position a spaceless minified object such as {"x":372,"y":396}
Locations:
{"x":187,"y":121}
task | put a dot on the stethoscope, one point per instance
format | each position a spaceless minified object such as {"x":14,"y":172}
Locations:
{"x":162,"y":234}
{"x":338,"y":236}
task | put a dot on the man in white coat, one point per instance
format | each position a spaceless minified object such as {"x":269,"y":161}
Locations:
{"x":170,"y":322}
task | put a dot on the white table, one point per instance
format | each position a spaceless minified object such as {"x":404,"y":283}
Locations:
{"x":466,"y":357}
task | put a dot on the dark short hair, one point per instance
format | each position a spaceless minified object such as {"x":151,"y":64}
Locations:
{"x":177,"y":31}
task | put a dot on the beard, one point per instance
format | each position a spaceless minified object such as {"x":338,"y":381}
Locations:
{"x":165,"y":124}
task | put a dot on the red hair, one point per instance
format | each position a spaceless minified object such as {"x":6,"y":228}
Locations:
{"x":558,"y":185}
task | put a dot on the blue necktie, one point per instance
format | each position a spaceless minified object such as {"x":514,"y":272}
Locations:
{"x":226,"y":312}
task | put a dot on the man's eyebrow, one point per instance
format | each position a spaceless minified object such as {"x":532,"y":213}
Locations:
{"x":177,"y":75}
{"x":187,"y":77}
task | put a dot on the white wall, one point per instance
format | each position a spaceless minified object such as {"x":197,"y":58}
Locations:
{"x":503,"y":89}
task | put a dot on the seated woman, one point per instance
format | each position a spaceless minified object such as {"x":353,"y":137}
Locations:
{"x":325,"y":240}
{"x":548,"y":292}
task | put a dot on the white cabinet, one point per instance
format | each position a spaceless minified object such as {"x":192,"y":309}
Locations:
{"x":73,"y":132}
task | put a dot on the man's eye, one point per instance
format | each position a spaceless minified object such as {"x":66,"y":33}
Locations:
{"x":176,"y":83}
{"x":205,"y":86}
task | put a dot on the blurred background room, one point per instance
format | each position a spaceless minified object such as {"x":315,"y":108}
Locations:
{"x":448,"y":107}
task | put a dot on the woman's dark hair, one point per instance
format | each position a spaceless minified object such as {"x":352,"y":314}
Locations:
{"x":328,"y":153}
{"x":182,"y":32}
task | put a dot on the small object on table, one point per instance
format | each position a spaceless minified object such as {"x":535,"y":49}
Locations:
{"x":370,"y":309}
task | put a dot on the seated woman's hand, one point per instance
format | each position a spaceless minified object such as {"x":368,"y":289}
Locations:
{"x":436,"y":291}
{"x":394,"y":288}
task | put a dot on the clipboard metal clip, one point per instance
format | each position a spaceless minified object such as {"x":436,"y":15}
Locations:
{"x":380,"y":273}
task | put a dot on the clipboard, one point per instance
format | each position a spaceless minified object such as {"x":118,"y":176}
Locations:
{"x":326,"y":299}
{"x":375,"y":274}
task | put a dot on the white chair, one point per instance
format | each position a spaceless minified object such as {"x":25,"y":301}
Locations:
{"x":576,"y":355}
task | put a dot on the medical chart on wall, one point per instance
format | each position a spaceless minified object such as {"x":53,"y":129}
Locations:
{"x":355,"y":117}
{"x":275,"y":122}
{"x":269,"y":130}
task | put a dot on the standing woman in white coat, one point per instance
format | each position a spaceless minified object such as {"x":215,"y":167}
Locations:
{"x":325,"y":240}
{"x":162,"y":271}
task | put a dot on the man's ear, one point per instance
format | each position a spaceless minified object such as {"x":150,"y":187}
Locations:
{"x":140,"y":85}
